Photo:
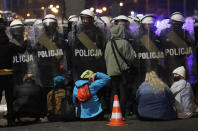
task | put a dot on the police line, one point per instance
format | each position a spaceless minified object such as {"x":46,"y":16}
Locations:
{"x":98,"y":52}
{"x":40,"y":54}
{"x":166,"y":53}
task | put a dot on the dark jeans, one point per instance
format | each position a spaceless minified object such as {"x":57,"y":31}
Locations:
{"x":7,"y":84}
{"x":119,"y":87}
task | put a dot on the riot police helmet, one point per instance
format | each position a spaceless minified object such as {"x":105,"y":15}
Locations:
{"x":87,"y":16}
{"x":17,"y":28}
{"x":50,"y":24}
{"x":121,"y":19}
{"x":73,"y":18}
{"x":49,"y":19}
{"x":147,"y":22}
{"x":177,"y":17}
{"x":148,"y":19}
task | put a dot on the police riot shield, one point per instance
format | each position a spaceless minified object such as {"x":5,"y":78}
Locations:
{"x":164,"y":49}
{"x":149,"y":53}
{"x":88,"y":50}
{"x":45,"y":56}
{"x":51,"y":56}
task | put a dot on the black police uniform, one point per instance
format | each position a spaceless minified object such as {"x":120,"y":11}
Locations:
{"x":7,"y":51}
{"x":174,"y":41}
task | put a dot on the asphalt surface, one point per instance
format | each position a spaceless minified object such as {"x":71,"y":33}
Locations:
{"x":133,"y":125}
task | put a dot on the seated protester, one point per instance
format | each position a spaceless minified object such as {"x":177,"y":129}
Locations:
{"x":184,"y":98}
{"x":55,"y":97}
{"x":155,"y":100}
{"x":28,"y":104}
{"x":90,"y":108}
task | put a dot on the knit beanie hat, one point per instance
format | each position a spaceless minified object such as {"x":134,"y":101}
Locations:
{"x":180,"y":71}
{"x":86,"y":74}
{"x":59,"y":81}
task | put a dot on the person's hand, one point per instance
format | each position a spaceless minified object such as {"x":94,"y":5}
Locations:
{"x":92,"y":77}
{"x":25,"y":36}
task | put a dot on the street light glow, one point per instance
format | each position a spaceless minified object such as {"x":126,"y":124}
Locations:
{"x":28,"y":14}
{"x":51,"y":6}
{"x":97,"y":10}
{"x":132,"y":13}
{"x":92,"y":9}
{"x":104,"y":8}
{"x":100,"y":11}
{"x":42,"y":8}
{"x":57,"y":6}
{"x":121,"y":4}
{"x":54,"y":10}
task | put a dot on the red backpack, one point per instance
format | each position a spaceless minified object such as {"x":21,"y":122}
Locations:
{"x":83,"y":93}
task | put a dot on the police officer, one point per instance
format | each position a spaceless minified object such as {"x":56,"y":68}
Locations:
{"x":19,"y":37}
{"x":73,"y":20}
{"x":88,"y":46}
{"x":88,"y":49}
{"x":134,"y":27}
{"x":7,"y":51}
{"x":148,"y":48}
{"x":51,"y":53}
{"x":104,"y":23}
{"x":177,"y":45}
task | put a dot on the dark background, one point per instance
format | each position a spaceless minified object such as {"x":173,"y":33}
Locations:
{"x":69,"y":7}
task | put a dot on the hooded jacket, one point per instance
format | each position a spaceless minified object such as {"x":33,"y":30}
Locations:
{"x":91,"y":107}
{"x":184,"y":98}
{"x":118,"y":34}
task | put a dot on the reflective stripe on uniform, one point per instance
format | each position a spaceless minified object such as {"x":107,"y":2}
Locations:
{"x":47,"y":43}
{"x":88,"y":43}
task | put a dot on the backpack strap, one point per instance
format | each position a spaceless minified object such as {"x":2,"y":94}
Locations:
{"x":112,"y":46}
{"x":116,"y":47}
{"x":53,"y":100}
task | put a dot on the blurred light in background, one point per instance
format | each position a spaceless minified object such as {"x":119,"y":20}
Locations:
{"x":54,"y":10}
{"x":28,"y":14}
{"x":104,"y":8}
{"x":121,"y":4}
{"x":92,"y":9}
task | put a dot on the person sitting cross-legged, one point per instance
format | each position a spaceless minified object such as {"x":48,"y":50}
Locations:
{"x":155,"y":100}
{"x":88,"y":105}
{"x":184,"y":97}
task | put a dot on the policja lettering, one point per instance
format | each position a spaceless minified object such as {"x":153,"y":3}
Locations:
{"x":91,"y":52}
{"x":178,"y":51}
{"x":151,"y":55}
{"x":50,"y":53}
{"x":22,"y":58}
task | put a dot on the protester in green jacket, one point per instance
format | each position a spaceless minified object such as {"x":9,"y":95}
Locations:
{"x":119,"y":75}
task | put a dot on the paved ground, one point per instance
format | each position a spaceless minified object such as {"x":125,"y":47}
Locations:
{"x":133,"y":125}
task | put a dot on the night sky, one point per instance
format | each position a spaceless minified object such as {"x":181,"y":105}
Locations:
{"x":154,"y":6}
